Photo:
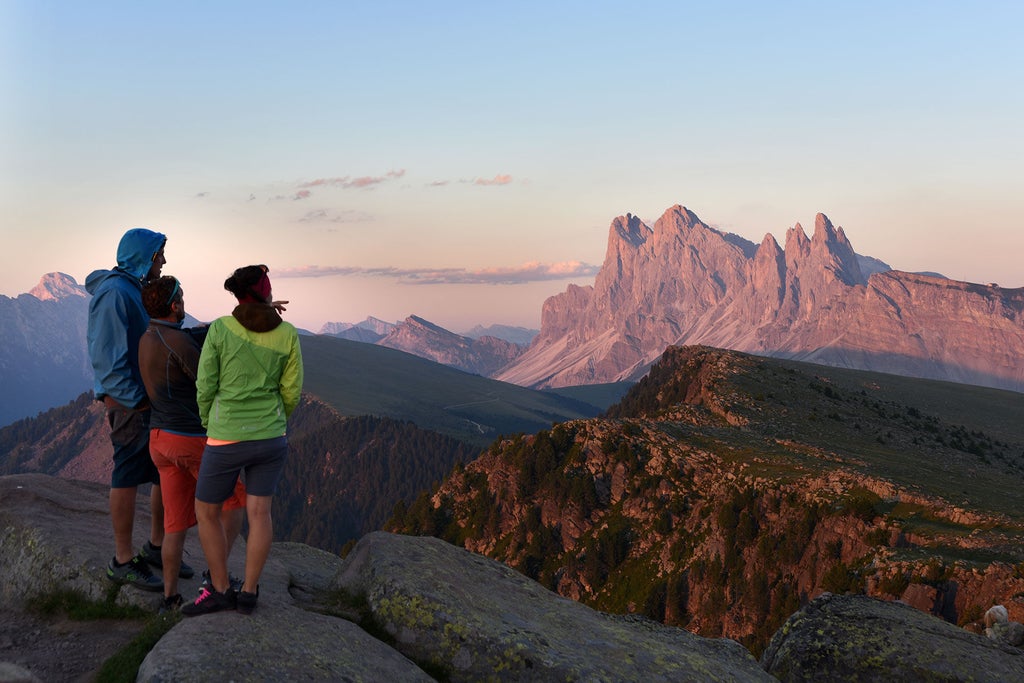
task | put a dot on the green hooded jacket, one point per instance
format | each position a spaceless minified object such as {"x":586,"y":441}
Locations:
{"x":250,"y":375}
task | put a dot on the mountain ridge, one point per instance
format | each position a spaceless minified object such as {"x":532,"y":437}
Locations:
{"x":45,"y":363}
{"x":43,"y":360}
{"x":683,"y":282}
{"x":484,"y":355}
{"x":727,"y":489}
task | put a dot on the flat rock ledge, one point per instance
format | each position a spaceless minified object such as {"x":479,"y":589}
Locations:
{"x":465,"y":617}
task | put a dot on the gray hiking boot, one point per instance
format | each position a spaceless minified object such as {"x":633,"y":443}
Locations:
{"x":151,"y":554}
{"x":135,"y":572}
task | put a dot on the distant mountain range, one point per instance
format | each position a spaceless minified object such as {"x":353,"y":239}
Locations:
{"x":683,"y":282}
{"x":482,"y":350}
{"x":373,"y":330}
{"x":44,"y":361}
{"x":678,"y":283}
{"x":376,"y":426}
{"x":369,"y":379}
{"x":43,"y":358}
{"x":370,"y":330}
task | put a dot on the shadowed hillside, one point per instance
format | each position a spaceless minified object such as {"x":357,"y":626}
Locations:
{"x":359,"y":379}
{"x":344,"y":476}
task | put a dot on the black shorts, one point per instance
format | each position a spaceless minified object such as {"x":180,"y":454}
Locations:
{"x":259,"y":462}
{"x":129,"y":434}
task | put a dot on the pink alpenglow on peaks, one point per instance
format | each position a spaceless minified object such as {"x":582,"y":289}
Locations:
{"x":682,"y":282}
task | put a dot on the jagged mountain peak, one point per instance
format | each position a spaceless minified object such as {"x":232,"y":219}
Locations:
{"x":679,"y":222}
{"x":423,"y":338}
{"x":684,"y":282}
{"x":769,"y":243}
{"x":823,"y":228}
{"x":371,"y":324}
{"x":423,"y":323}
{"x":43,"y":359}
{"x":376,"y":324}
{"x":683,"y":216}
{"x":57,"y":286}
{"x":797,"y":241}
{"x":630,"y":229}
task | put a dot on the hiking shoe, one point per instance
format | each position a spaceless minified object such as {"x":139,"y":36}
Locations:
{"x":209,"y":602}
{"x":151,"y":554}
{"x":136,"y":572}
{"x":170,"y":604}
{"x":234,"y":583}
{"x":246,"y":601}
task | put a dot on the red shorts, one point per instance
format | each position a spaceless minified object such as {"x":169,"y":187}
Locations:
{"x":177,"y":457}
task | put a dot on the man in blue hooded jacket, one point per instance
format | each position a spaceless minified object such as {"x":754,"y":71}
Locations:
{"x":117,"y":320}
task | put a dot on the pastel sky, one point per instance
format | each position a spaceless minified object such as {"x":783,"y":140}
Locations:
{"x":462,"y":161}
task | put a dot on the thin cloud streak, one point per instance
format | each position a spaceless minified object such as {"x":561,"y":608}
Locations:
{"x":325,"y":216}
{"x":500,"y":179}
{"x":517,"y":275}
{"x":346,"y":182}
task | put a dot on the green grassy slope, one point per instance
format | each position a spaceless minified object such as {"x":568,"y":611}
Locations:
{"x":601,"y":395}
{"x":997,"y":412}
{"x":365,"y":379}
{"x":962,"y":443}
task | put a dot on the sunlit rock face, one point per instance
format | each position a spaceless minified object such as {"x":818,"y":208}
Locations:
{"x":43,"y":360}
{"x":683,"y":282}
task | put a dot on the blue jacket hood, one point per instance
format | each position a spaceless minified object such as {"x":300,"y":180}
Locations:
{"x":134,"y":257}
{"x":136,"y":249}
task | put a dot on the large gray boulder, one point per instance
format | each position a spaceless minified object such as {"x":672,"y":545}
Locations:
{"x":857,"y":638}
{"x":469,"y":618}
{"x":281,"y":640}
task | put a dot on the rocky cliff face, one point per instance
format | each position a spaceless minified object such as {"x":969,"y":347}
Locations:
{"x":43,"y":359}
{"x":683,"y":282}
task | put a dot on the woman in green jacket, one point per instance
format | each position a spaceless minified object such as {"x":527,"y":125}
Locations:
{"x":249,"y":381}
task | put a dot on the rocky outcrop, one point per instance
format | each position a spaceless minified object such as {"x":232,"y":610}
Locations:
{"x":683,"y":282}
{"x":853,"y":638}
{"x":430,"y":606}
{"x":725,"y":490}
{"x":468,"y":618}
{"x":412,"y":608}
